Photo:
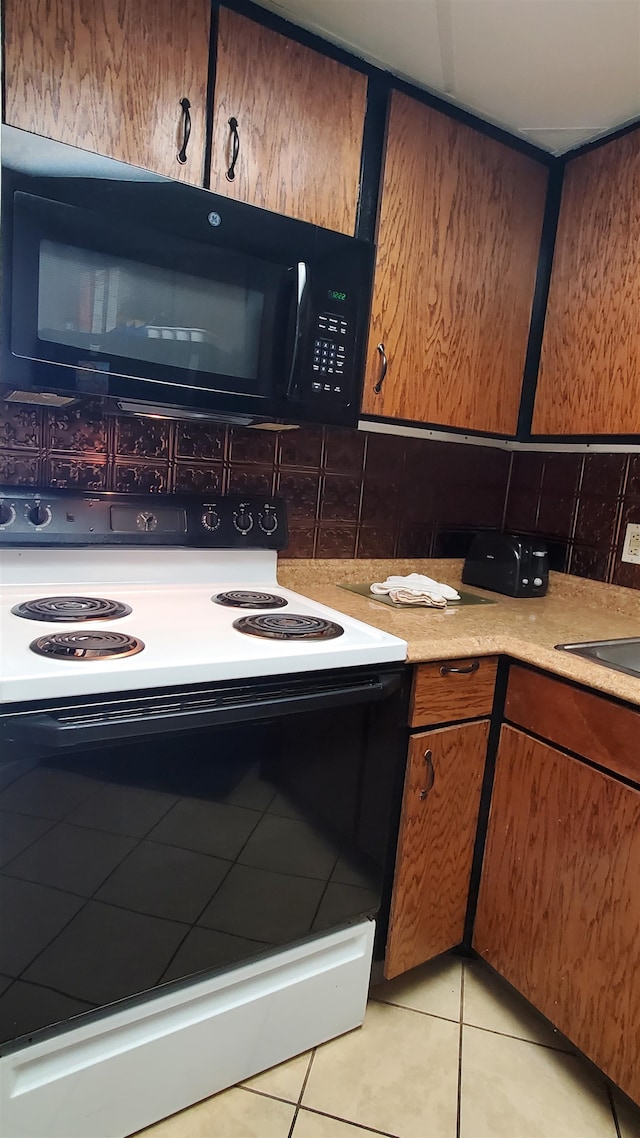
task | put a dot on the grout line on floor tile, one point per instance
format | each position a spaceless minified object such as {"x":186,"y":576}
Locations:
{"x":349,"y":1122}
{"x":459,"y":1094}
{"x":612,"y":1104}
{"x":266,"y":1094}
{"x":293,"y":1122}
{"x":296,"y":1112}
{"x":307,"y":1073}
{"x":418,"y":1011}
{"x":522,"y":1039}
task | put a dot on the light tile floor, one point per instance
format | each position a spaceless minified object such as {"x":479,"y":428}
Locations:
{"x":447,"y":1051}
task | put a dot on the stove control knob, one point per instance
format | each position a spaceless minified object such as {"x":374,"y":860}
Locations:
{"x":39,"y":515}
{"x":7,"y":514}
{"x":146,"y":521}
{"x":210,"y":519}
{"x":242,"y":519}
{"x":268,"y":521}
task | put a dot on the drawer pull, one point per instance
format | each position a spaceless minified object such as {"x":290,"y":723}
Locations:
{"x":448,"y":669}
{"x":431,"y":775}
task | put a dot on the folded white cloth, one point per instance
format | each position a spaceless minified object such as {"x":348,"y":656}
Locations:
{"x":416,"y":589}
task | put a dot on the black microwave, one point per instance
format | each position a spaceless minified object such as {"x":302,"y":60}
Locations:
{"x":173,"y":300}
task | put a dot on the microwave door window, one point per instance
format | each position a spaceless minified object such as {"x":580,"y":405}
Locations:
{"x":105,"y":304}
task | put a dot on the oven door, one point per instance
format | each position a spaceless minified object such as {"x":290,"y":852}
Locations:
{"x":151,"y":839}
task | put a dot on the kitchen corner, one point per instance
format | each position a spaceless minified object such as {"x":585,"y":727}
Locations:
{"x":519,"y":835}
{"x":574,"y":610}
{"x":336,"y":310}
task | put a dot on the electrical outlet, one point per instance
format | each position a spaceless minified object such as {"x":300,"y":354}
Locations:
{"x":631,"y":548}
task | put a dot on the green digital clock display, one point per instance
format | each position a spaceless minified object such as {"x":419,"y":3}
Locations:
{"x":335,"y":295}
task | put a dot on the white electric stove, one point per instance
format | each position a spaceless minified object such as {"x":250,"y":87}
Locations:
{"x":182,"y":634}
{"x":200,"y":782}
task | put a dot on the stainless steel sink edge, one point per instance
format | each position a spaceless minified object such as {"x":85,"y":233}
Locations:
{"x":609,"y":653}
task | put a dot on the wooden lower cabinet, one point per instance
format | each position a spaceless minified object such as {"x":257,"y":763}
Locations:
{"x":559,"y":906}
{"x":435,"y":848}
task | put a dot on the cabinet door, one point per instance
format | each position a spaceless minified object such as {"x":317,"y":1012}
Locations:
{"x":589,"y":377}
{"x":109,"y":77}
{"x":458,"y":244}
{"x":300,"y":118}
{"x":559,"y":906}
{"x":435,"y":845}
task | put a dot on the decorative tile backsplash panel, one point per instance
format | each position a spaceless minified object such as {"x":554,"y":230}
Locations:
{"x":349,"y":493}
{"x":581,"y":504}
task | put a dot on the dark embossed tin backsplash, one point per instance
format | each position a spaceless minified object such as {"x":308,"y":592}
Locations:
{"x":350,"y":494}
{"x":581,"y":504}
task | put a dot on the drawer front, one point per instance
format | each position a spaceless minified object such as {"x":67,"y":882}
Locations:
{"x":594,"y":727}
{"x":453,"y":689}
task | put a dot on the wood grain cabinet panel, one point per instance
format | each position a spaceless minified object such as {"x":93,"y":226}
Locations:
{"x":458,"y":243}
{"x":597,"y":728}
{"x":589,"y":377}
{"x":453,"y":689}
{"x":437,"y":831}
{"x":109,"y":77}
{"x":300,"y":119}
{"x":559,"y":907}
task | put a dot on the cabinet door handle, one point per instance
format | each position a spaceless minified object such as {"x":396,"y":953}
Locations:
{"x":448,"y":669}
{"x":186,"y":130}
{"x":235,"y":148}
{"x":431,"y":775}
{"x":383,"y":369}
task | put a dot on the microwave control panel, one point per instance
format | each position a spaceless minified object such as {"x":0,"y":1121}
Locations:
{"x":332,"y":354}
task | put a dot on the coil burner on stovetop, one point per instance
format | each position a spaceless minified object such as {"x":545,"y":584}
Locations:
{"x":71,"y":608}
{"x":289,"y":626}
{"x":87,"y":645}
{"x":249,"y":599}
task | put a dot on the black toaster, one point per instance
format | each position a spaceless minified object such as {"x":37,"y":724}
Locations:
{"x":517,"y":566}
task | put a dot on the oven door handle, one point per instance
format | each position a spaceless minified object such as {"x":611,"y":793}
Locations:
{"x":64,"y":731}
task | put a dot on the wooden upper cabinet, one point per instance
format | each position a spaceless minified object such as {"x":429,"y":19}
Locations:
{"x":300,"y":119}
{"x":110,"y":76}
{"x":559,"y":911}
{"x":458,"y":244}
{"x":589,"y":377}
{"x":435,"y":846}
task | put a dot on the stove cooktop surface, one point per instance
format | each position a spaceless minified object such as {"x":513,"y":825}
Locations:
{"x":108,"y":593}
{"x":168,"y":609}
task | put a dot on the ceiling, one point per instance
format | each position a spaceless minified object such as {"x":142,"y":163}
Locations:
{"x":556,"y":72}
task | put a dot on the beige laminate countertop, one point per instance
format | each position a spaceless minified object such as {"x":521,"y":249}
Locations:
{"x":574,"y":610}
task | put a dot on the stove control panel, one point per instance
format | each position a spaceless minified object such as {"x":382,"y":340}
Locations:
{"x":63,"y":517}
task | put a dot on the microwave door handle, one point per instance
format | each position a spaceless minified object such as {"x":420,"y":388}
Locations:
{"x":302,"y":277}
{"x":55,"y":735}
